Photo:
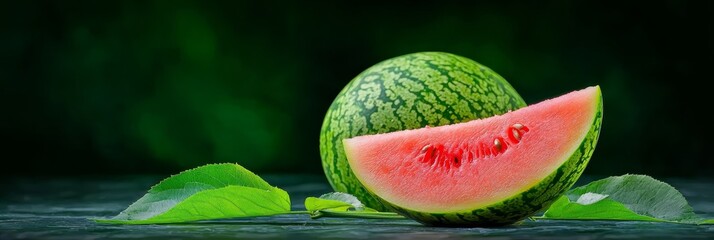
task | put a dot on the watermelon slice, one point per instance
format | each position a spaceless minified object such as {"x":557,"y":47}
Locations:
{"x":486,"y":172}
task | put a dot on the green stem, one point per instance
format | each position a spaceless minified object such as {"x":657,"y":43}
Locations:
{"x":297,"y":212}
{"x":366,"y":215}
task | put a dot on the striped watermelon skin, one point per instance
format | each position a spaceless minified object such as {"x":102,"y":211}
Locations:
{"x":525,"y":204}
{"x":408,"y":92}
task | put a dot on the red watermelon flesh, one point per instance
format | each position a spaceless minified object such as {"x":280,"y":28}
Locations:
{"x":474,"y":164}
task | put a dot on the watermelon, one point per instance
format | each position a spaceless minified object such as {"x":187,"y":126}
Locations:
{"x":408,"y":92}
{"x":488,"y":172}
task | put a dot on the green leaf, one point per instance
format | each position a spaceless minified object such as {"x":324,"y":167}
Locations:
{"x":209,"y":192}
{"x":337,"y":204}
{"x":333,"y":200}
{"x":608,"y":209}
{"x":627,"y":197}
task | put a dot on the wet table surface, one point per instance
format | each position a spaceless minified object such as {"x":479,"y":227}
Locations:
{"x":59,"y":208}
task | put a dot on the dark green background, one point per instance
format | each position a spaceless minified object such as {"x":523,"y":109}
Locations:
{"x":105,"y":87}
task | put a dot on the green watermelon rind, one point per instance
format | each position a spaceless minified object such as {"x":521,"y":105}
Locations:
{"x":523,"y":205}
{"x":408,"y":92}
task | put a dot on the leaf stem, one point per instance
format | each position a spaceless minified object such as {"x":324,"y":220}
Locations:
{"x":297,"y":212}
{"x":366,"y":215}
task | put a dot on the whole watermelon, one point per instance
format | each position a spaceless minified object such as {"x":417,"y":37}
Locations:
{"x":408,"y":92}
